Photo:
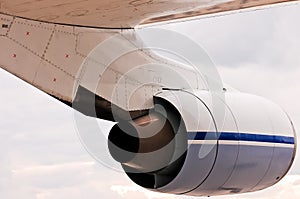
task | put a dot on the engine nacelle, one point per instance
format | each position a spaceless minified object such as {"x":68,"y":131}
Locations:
{"x":198,"y":144}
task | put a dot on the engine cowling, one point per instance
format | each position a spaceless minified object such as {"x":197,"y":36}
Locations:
{"x":197,"y":144}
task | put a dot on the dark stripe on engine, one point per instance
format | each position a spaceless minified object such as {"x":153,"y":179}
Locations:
{"x":240,"y":137}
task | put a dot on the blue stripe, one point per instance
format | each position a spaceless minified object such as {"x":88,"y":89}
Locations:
{"x":240,"y":137}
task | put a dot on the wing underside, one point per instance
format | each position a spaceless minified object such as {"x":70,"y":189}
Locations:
{"x":59,"y":47}
{"x":76,"y":64}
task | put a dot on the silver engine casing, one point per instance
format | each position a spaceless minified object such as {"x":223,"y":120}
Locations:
{"x":222,"y":144}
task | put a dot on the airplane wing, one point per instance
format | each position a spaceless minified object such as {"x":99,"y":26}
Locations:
{"x":49,"y":45}
{"x":54,"y":46}
{"x":121,"y":13}
{"x":170,"y":136}
{"x":73,"y":64}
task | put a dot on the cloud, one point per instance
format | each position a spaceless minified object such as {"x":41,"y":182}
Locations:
{"x":267,"y":37}
{"x":135,"y":192}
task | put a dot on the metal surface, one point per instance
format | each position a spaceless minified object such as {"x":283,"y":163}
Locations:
{"x":120,"y":13}
{"x":259,"y":141}
{"x":59,"y":59}
{"x":197,"y":167}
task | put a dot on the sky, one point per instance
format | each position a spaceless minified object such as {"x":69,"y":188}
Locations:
{"x":41,"y":156}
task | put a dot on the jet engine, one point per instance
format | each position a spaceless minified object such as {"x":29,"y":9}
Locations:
{"x":203,"y":144}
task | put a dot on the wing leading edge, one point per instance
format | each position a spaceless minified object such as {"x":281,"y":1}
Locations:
{"x":121,"y":13}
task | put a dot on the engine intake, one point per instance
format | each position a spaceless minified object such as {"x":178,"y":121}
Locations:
{"x":140,"y":143}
